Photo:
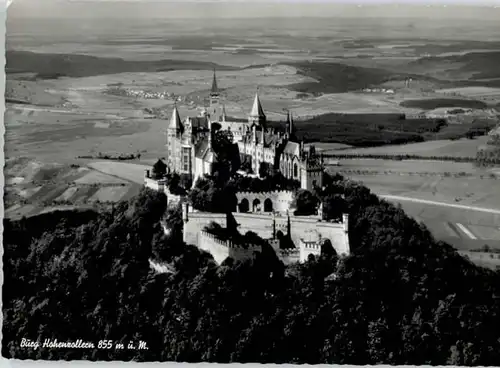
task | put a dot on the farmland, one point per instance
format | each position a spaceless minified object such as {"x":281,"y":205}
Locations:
{"x":335,"y":78}
{"x":438,"y":148}
{"x":36,"y":187}
{"x":442,"y":195}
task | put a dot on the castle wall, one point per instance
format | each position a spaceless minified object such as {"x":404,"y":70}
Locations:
{"x":307,"y":233}
{"x":261,"y":224}
{"x":197,"y":221}
{"x":302,"y":228}
{"x":216,"y":247}
{"x":158,"y":185}
{"x":221,"y":249}
{"x":281,"y":199}
{"x":307,"y":249}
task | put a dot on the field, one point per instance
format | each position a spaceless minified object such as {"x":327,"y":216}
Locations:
{"x":34,"y":187}
{"x":458,"y":202}
{"x":451,"y":148}
{"x":344,"y":86}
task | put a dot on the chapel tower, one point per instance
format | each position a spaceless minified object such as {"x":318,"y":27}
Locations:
{"x":215,"y":110}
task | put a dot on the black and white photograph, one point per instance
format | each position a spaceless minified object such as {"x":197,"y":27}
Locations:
{"x":266,"y":181}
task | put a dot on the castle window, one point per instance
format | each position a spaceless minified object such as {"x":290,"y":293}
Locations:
{"x":295,"y":170}
{"x":186,"y":158}
{"x":268,"y":205}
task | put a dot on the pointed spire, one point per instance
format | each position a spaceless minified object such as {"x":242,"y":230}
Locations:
{"x":215,"y":89}
{"x":257,"y":111}
{"x":290,"y":122}
{"x":175,"y":120}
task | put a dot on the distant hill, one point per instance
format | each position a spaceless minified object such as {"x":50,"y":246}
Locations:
{"x":481,"y":65}
{"x":339,"y":78}
{"x":53,"y":66}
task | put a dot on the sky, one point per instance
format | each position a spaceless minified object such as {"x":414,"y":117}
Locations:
{"x":168,"y":9}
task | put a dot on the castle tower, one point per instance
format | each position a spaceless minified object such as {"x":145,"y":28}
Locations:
{"x":312,"y":173}
{"x":175,"y":124}
{"x":257,"y":115}
{"x":215,"y":110}
{"x":175,"y":131}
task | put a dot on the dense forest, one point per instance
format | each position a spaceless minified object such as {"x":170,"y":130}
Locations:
{"x":401,"y":297}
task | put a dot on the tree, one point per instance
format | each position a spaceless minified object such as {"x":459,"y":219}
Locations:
{"x":305,"y":202}
{"x":159,"y":170}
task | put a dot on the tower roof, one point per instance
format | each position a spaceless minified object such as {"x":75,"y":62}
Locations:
{"x":175,"y":120}
{"x":214,"y":89}
{"x":257,"y":110}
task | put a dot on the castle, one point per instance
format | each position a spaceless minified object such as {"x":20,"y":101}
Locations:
{"x":190,"y":150}
{"x":293,"y":238}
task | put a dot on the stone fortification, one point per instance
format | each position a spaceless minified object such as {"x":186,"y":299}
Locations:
{"x":222,"y":249}
{"x":278,"y":200}
{"x":307,"y":233}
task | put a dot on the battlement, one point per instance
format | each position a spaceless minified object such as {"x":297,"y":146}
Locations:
{"x":289,"y":252}
{"x":271,"y":193}
{"x":314,"y":166}
{"x":228,"y":243}
{"x":310,"y":245}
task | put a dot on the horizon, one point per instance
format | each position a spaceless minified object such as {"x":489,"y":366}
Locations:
{"x":135,"y":9}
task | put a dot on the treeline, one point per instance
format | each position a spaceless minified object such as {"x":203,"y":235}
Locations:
{"x":399,"y":157}
{"x":401,"y":297}
{"x":486,"y":157}
{"x":118,"y":157}
{"x":372,"y":130}
{"x":436,"y":103}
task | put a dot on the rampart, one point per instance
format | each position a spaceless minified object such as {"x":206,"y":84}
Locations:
{"x":307,"y":233}
{"x":278,"y":200}
{"x":221,"y":249}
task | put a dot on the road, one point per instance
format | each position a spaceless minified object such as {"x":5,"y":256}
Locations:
{"x":465,"y":227}
{"x":424,"y":201}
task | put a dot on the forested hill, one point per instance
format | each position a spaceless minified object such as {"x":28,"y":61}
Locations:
{"x":400,"y":298}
